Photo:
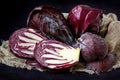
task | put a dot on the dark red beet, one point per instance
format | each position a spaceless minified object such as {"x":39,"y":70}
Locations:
{"x":51,"y":23}
{"x":102,"y":65}
{"x":92,"y":47}
{"x":83,"y":18}
{"x":56,"y":55}
{"x":23,"y":41}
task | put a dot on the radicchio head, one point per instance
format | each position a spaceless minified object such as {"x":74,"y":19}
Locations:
{"x":92,"y":46}
{"x":51,"y":23}
{"x":84,"y":18}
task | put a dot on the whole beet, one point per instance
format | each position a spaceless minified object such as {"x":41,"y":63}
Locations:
{"x":92,"y":47}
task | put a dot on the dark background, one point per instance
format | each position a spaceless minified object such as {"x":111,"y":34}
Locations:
{"x":14,"y":16}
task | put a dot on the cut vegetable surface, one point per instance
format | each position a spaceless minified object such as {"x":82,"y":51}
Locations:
{"x":23,"y":41}
{"x":56,"y":55}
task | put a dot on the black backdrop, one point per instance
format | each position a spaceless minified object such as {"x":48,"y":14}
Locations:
{"x":14,"y":15}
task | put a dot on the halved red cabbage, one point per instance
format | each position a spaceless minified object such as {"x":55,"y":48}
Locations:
{"x":56,"y":55}
{"x":23,"y":41}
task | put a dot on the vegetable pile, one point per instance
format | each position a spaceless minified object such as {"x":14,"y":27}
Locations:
{"x":54,"y":42}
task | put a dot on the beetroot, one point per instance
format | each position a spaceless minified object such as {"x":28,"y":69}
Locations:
{"x":23,"y":41}
{"x":102,"y":65}
{"x":92,"y":47}
{"x":51,"y":23}
{"x":56,"y":55}
{"x":83,"y":18}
